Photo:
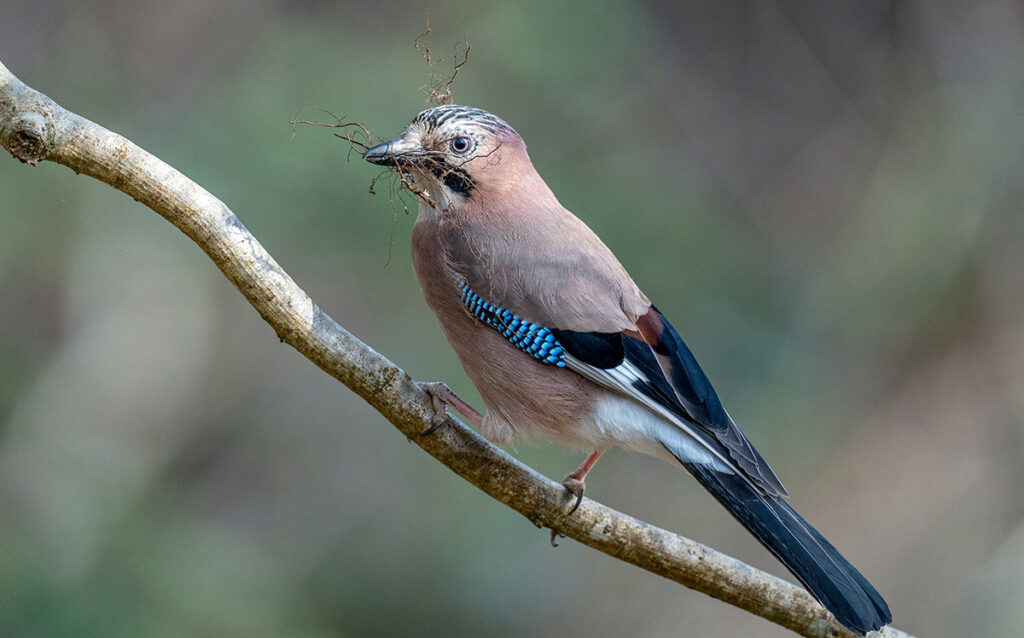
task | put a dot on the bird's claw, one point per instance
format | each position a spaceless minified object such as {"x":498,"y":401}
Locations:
{"x":435,"y":423}
{"x":441,"y":396}
{"x":440,"y":414}
{"x":555,"y":534}
{"x":575,"y":487}
{"x":440,"y":417}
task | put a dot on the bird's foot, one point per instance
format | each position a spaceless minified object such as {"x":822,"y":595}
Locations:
{"x":576,"y":487}
{"x":442,"y":396}
{"x":440,"y":414}
{"x":574,"y":482}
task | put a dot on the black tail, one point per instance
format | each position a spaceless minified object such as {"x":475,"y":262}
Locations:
{"x":811,"y":558}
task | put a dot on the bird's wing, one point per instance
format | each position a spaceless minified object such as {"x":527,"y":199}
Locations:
{"x":555,"y":291}
{"x":649,"y":364}
{"x":653,"y":366}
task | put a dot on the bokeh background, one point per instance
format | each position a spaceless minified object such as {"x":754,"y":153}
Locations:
{"x":826,"y":198}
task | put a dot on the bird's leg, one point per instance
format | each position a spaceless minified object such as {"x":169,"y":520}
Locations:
{"x":443,"y":396}
{"x":575,"y":482}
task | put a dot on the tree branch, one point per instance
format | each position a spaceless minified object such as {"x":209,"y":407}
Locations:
{"x":34,"y":128}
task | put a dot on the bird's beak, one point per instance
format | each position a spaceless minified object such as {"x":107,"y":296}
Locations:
{"x":383,"y":154}
{"x":397,"y":152}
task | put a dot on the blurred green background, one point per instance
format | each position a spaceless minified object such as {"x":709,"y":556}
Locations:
{"x":826,"y":198}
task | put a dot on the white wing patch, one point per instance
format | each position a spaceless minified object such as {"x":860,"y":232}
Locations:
{"x":627,"y":426}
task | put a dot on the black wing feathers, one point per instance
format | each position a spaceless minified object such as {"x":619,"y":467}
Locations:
{"x":656,"y":385}
{"x":607,"y":350}
{"x":694,"y":393}
{"x":688,"y":379}
{"x":599,"y":349}
{"x":671,"y":376}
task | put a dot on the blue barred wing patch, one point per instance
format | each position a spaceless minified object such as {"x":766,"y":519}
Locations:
{"x":536,"y":341}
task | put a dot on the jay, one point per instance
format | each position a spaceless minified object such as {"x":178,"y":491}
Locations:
{"x":561,"y":342}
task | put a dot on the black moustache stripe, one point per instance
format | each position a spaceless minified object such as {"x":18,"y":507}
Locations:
{"x":456,"y":179}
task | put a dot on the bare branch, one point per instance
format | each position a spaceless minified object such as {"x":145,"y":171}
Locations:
{"x":34,"y":128}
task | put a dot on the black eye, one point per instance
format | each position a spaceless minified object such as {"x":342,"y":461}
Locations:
{"x":460,"y":144}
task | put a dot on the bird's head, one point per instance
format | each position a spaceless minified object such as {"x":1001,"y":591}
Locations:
{"x":455,"y":155}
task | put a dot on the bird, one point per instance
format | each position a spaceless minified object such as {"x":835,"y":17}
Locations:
{"x":562,"y":344}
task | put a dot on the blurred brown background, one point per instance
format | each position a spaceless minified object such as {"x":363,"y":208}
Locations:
{"x":826,"y":198}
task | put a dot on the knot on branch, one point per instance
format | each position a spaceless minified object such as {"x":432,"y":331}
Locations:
{"x":27,"y":140}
